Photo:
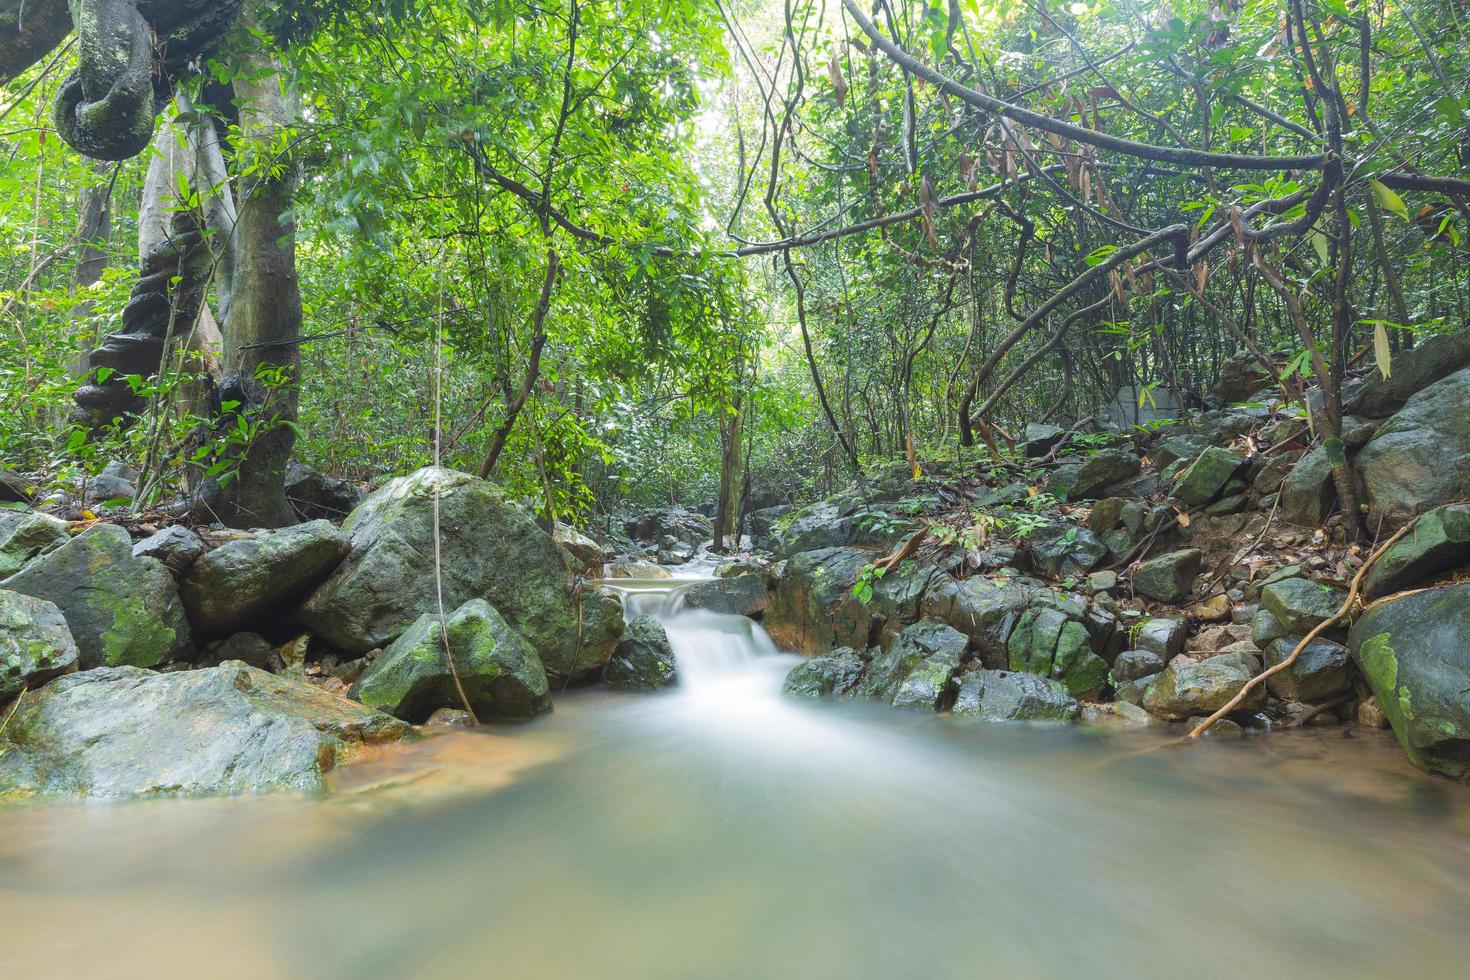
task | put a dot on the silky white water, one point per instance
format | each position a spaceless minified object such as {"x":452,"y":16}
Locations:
{"x":721,"y":830}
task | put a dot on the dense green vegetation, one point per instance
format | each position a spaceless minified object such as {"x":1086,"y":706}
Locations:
{"x":615,"y":254}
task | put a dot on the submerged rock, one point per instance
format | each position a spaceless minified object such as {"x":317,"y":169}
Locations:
{"x":1413,"y":652}
{"x":499,"y":672}
{"x":1202,"y":687}
{"x":120,"y":609}
{"x":490,"y":549}
{"x":35,"y":644}
{"x":825,"y":675}
{"x":122,"y":731}
{"x":999,"y":695}
{"x":242,"y":582}
{"x":643,"y":659}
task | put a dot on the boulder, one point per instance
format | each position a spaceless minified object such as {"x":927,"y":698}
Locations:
{"x":1207,"y":477}
{"x":1299,"y":604}
{"x":1202,"y":687}
{"x":1241,"y":376}
{"x":1132,"y":665}
{"x":1090,"y":476}
{"x":1135,"y":405}
{"x":813,"y":609}
{"x":678,"y":522}
{"x":248,"y":648}
{"x":825,"y":675}
{"x":985,"y":612}
{"x":1322,"y":670}
{"x":821,"y":525}
{"x":14,"y":488}
{"x":1430,"y":360}
{"x":176,"y":546}
{"x":32,"y":535}
{"x":1420,"y":458}
{"x":35,"y":644}
{"x":1413,"y":652}
{"x":499,"y":672}
{"x":1308,"y":493}
{"x":1439,"y":541}
{"x":1049,"y":643}
{"x":1037,"y":440}
{"x":585,"y":551}
{"x":261,"y":578}
{"x":490,"y":549}
{"x":759,"y":523}
{"x":1172,"y":449}
{"x":634,"y":568}
{"x":999,"y":695}
{"x":1161,"y":635}
{"x":121,"y":610}
{"x":643,"y":659}
{"x":1064,"y":551}
{"x":742,"y":595}
{"x":1170,"y":577}
{"x":930,"y":651}
{"x":1265,"y":628}
{"x":231,"y":729}
{"x":316,"y":496}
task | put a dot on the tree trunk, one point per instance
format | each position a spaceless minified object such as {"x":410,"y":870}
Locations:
{"x":262,"y":358}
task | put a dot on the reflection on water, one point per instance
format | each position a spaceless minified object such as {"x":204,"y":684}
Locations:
{"x":718,"y":831}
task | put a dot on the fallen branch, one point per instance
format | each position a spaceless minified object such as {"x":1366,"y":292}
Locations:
{"x":1347,"y":604}
{"x":905,"y":552}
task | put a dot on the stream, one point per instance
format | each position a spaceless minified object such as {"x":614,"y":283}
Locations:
{"x":720,"y":830}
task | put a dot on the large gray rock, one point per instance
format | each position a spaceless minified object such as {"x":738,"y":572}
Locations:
{"x":1170,"y":577}
{"x":1137,"y":406}
{"x":1413,"y":370}
{"x":926,"y":654}
{"x":1420,"y":458}
{"x":1441,"y":540}
{"x":1207,"y":477}
{"x":1090,"y":476}
{"x":243,"y":582}
{"x":1322,"y":670}
{"x":739,"y":595}
{"x":1050,"y":643}
{"x":316,"y":496}
{"x":999,"y":695}
{"x":1299,"y":604}
{"x":1201,"y":687}
{"x":120,"y":609}
{"x":825,"y":675}
{"x":813,"y":608}
{"x":1133,"y":665}
{"x":985,"y":612}
{"x":680,"y":523}
{"x":1064,"y":550}
{"x":125,"y":732}
{"x":643,"y":659}
{"x":30,"y":536}
{"x":821,"y":525}
{"x":176,"y":546}
{"x":35,"y":644}
{"x":1308,"y":492}
{"x":1413,"y":652}
{"x":498,"y":671}
{"x":1161,"y":635}
{"x":490,"y":549}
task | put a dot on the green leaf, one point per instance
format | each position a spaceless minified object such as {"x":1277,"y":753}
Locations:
{"x":1388,"y":200}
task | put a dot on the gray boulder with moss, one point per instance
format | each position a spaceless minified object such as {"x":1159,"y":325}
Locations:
{"x":1170,"y":577}
{"x":1300,"y":604}
{"x":490,"y":549}
{"x":827,"y":675}
{"x":232,"y":729}
{"x":1420,"y":458}
{"x":501,"y":676}
{"x":1322,"y":670}
{"x":121,"y":610}
{"x":1000,"y":695}
{"x":1049,"y":643}
{"x":1413,"y":652}
{"x":1202,"y":687}
{"x":35,"y":644}
{"x":1206,"y":478}
{"x":643,"y":659}
{"x":928,"y":643}
{"x":33,"y":534}
{"x":242,"y":582}
{"x":1441,"y":540}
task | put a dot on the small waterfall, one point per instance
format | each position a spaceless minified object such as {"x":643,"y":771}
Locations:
{"x":711,"y":648}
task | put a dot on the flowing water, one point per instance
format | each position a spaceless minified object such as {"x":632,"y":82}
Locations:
{"x":720,"y":831}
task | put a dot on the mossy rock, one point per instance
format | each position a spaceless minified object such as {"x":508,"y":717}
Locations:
{"x":243,"y":582}
{"x":1202,"y":687}
{"x":999,"y":695}
{"x":826,"y":675}
{"x":35,"y":643}
{"x":643,"y":659}
{"x":1049,"y":643}
{"x":1300,"y":604}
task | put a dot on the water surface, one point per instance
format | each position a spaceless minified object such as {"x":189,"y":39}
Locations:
{"x":721,"y":831}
